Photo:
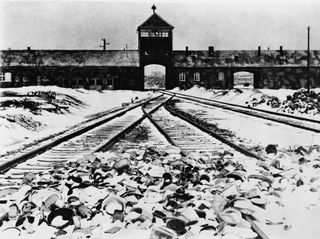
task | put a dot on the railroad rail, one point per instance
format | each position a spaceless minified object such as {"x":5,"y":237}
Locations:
{"x":291,"y":120}
{"x":9,"y":161}
{"x":190,"y":136}
{"x":177,"y":129}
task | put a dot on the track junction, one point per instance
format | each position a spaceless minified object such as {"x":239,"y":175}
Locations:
{"x":162,"y":151}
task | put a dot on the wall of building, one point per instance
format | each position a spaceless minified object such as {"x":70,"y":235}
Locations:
{"x":123,"y":69}
{"x":84,"y":77}
{"x":290,"y":78}
{"x":245,"y":58}
{"x":264,"y":77}
{"x":271,"y":69}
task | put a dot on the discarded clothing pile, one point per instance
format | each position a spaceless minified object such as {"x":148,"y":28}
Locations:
{"x":150,"y":193}
{"x":270,"y":101}
{"x":303,"y":102}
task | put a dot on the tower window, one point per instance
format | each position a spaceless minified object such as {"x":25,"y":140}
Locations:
{"x":154,"y":34}
{"x":144,"y":34}
{"x":196,"y":76}
{"x":165,"y":34}
{"x":182,"y":77}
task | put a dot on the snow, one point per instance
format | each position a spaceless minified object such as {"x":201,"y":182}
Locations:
{"x":256,"y":131}
{"x":296,"y":208}
{"x":246,"y":96}
{"x":14,"y":135}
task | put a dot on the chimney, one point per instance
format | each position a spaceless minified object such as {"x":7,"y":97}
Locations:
{"x":281,"y":50}
{"x":187,"y":51}
{"x":211,"y":50}
{"x":259,"y":50}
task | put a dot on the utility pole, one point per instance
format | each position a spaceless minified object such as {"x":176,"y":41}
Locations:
{"x":308,"y":60}
{"x":127,"y":49}
{"x":104,"y":43}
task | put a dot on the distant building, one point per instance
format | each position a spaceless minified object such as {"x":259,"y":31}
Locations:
{"x":124,"y":69}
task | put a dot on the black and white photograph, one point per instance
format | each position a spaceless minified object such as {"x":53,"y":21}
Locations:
{"x":141,"y":119}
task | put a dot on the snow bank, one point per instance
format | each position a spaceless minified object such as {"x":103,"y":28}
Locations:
{"x":259,"y":98}
{"x":26,"y":126}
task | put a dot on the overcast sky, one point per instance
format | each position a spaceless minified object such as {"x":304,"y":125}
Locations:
{"x":226,"y":24}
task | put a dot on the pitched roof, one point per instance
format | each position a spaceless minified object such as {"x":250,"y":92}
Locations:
{"x":110,"y":58}
{"x":120,"y":58}
{"x":155,"y":21}
{"x":246,"y":58}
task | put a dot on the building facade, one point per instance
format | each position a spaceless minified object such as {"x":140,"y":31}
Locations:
{"x":124,"y":69}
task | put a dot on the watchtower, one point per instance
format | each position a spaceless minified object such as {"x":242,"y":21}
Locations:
{"x":155,"y":45}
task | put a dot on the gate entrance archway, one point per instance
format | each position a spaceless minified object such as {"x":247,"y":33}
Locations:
{"x":243,"y":79}
{"x":155,"y":47}
{"x":154,"y":77}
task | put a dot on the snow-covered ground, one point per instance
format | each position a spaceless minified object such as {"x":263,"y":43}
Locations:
{"x":253,"y":131}
{"x":20,"y":126}
{"x":297,"y":205}
{"x":246,"y":97}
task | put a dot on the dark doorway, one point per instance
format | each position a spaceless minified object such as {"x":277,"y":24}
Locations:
{"x":110,"y":84}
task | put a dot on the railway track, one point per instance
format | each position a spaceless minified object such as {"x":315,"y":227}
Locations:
{"x":177,"y":130}
{"x":192,"y":137}
{"x":78,"y":142}
{"x":291,"y":120}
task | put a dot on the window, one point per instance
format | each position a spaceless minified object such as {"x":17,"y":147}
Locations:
{"x":154,"y":34}
{"x":110,"y":84}
{"x":165,"y":34}
{"x":196,"y":76}
{"x":7,"y":76}
{"x":144,"y":34}
{"x":182,"y":77}
{"x":220,"y":76}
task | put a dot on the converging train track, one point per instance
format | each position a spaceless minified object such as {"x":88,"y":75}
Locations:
{"x":83,"y":140}
{"x":177,"y":129}
{"x":291,"y":120}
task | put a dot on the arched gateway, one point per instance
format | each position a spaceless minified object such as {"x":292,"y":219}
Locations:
{"x":125,"y":69}
{"x":155,"y":46}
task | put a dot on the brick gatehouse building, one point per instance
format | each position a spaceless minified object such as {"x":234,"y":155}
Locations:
{"x":125,"y":69}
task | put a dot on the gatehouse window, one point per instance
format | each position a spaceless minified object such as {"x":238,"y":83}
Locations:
{"x":144,"y":34}
{"x":196,"y":76}
{"x":154,"y":34}
{"x":182,"y":77}
{"x":1,"y":77}
{"x":165,"y":34}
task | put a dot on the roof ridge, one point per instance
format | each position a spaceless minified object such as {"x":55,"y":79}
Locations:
{"x":163,"y":20}
{"x":157,"y":15}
